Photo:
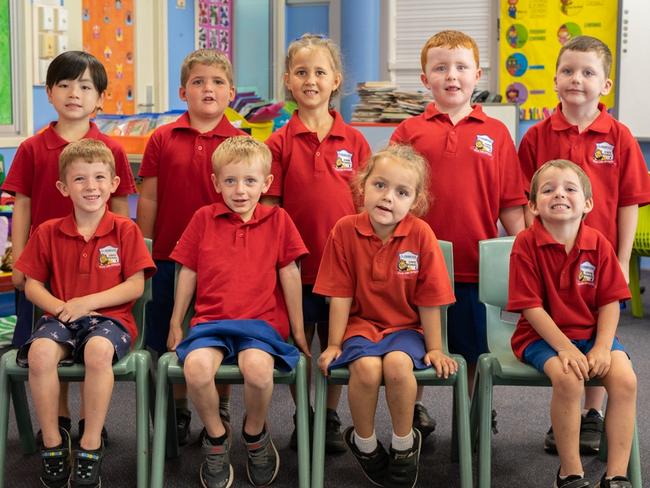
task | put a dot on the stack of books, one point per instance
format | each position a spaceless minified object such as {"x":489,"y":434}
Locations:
{"x":381,"y":101}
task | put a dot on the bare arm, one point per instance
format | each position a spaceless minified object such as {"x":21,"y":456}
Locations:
{"x":627,"y":221}
{"x":40,"y":296}
{"x":148,"y":206}
{"x":292,"y":291}
{"x":435,"y":356}
{"x":338,"y":322}
{"x":120,"y":205}
{"x":185,"y":288}
{"x":270,"y":201}
{"x":21,"y":221}
{"x":512,"y":219}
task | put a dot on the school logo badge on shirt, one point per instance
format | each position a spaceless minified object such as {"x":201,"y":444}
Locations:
{"x":604,"y":153}
{"x":108,"y":257}
{"x":587,"y":273}
{"x":407,"y":263}
{"x":483,"y":144}
{"x":343,"y":160}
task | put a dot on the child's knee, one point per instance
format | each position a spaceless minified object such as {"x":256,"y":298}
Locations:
{"x":198,"y":369}
{"x":367,"y":372}
{"x":621,"y":382}
{"x":398,"y":367}
{"x":98,"y":353}
{"x":257,"y":372}
{"x":43,"y":356}
{"x":567,"y":385}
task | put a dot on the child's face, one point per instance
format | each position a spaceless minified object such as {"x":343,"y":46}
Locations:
{"x":312,"y":78}
{"x":580,"y":79}
{"x":560,"y":197}
{"x":451,"y":76}
{"x":207,"y":92}
{"x":388,"y":194}
{"x":89,"y":186}
{"x":241,"y":185}
{"x":75,"y":100}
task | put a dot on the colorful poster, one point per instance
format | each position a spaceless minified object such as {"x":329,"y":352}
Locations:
{"x":108,"y":34}
{"x":532,"y":33}
{"x":6,"y":112}
{"x":215,"y":25}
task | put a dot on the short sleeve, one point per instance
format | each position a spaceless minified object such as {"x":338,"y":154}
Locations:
{"x":433,"y":285}
{"x":634,"y":183}
{"x":528,"y":157}
{"x":185,"y":251}
{"x":275,"y":144}
{"x":335,"y":275}
{"x":292,"y":247}
{"x":611,"y":282}
{"x":399,"y":135}
{"x":513,"y":191}
{"x":525,"y":288}
{"x":151,"y":156}
{"x":137,"y":256}
{"x":36,"y":259}
{"x":21,"y":173}
{"x":123,"y":170}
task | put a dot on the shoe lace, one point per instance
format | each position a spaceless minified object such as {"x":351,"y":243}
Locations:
{"x":215,"y":458}
{"x":261,"y":455}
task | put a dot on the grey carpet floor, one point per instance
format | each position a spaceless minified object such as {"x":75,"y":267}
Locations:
{"x":518,"y":458}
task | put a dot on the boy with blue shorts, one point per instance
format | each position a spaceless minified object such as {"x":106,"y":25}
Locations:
{"x":566,"y":281}
{"x":240,"y":258}
{"x":95,"y":263}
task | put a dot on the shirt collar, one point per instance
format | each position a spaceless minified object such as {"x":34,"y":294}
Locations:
{"x":223,"y":129}
{"x":106,"y":224}
{"x":585,"y":240}
{"x":296,"y":126}
{"x":260,"y":213}
{"x":431,"y":111}
{"x":364,"y":227}
{"x":602,"y":124}
{"x":54,"y":141}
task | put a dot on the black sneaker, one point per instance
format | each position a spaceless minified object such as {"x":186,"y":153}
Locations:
{"x":374,"y":465}
{"x":592,"y":425}
{"x":263,"y":461}
{"x":82,"y":429}
{"x":55,"y":463}
{"x":571,"y":481}
{"x":422,"y":421}
{"x":615,"y":482}
{"x":403,"y":465}
{"x":333,"y":439}
{"x":293,"y":441}
{"x":216,"y":471}
{"x":86,"y":471}
{"x":183,"y":421}
{"x":549,"y":442}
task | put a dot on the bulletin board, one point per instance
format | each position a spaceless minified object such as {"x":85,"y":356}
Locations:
{"x":6,"y":85}
{"x":532,"y":33}
{"x":214,"y":25}
{"x":108,"y":34}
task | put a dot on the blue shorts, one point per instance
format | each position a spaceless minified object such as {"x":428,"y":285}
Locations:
{"x":159,"y":309}
{"x":315,"y":308}
{"x":76,"y":334}
{"x":538,"y":352}
{"x":466,"y":330}
{"x":233,"y":336}
{"x":408,"y":341}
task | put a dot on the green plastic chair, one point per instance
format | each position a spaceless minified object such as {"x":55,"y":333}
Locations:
{"x":641,"y":247}
{"x":170,"y":371}
{"x":134,"y":366}
{"x":501,"y":367}
{"x":461,"y":409}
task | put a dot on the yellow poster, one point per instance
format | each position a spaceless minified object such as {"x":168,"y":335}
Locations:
{"x":532,"y":33}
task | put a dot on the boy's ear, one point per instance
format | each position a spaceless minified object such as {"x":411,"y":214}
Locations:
{"x":62,"y":188}
{"x":231,"y":96}
{"x":267,"y":183}
{"x":533,"y":208}
{"x":589,"y":205}
{"x":181,"y":93}
{"x":115,"y":183}
{"x":215,"y":182}
{"x":48,"y":90}
{"x":100,"y":102}
{"x":425,"y":81}
{"x":607,"y":88}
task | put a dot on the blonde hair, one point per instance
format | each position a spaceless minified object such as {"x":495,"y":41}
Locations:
{"x":207,"y":57}
{"x":410,"y":159}
{"x":451,"y":39}
{"x":88,"y":151}
{"x":585,"y":183}
{"x":587,"y":44}
{"x":241,"y":149}
{"x":313,"y":41}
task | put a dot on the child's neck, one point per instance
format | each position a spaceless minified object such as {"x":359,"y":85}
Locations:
{"x":456,"y":114}
{"x":564,"y":232}
{"x":204,"y":125}
{"x":580,"y":116}
{"x":72,"y":130}
{"x":318,"y":120}
{"x":87,"y":223}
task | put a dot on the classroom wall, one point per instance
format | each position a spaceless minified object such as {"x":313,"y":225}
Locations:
{"x":299,"y":19}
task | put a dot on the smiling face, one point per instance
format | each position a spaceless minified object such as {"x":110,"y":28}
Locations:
{"x":580,"y":79}
{"x":207,"y":92}
{"x":560,"y":197}
{"x":312,"y":78}
{"x":75,"y":100}
{"x":88,"y":185}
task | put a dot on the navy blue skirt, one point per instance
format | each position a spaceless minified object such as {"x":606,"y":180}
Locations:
{"x":408,"y":341}
{"x":233,"y":336}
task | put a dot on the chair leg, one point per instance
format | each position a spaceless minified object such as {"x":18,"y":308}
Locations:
{"x":318,"y":451}
{"x":635,"y":289}
{"x":23,"y":419}
{"x":160,"y":425}
{"x":302,"y":420}
{"x":461,"y":401}
{"x":474,"y":419}
{"x":634,"y":466}
{"x":4,"y":419}
{"x":142,"y":364}
{"x":484,"y":400}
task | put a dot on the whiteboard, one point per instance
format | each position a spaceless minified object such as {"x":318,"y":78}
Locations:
{"x":633,"y":99}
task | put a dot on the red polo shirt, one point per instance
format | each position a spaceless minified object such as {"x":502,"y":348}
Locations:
{"x":571,"y":288}
{"x":474,"y":175}
{"x":237,"y":263}
{"x":35,"y":170}
{"x":387,"y":281}
{"x":313,"y":178}
{"x":181,"y":158}
{"x":58,"y":254}
{"x":606,"y":151}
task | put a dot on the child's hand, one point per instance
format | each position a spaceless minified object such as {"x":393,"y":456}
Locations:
{"x":327,"y":356}
{"x":300,"y":341}
{"x":175,"y":336}
{"x":443,"y":364}
{"x":599,"y":359}
{"x":74,"y":309}
{"x":573,"y":359}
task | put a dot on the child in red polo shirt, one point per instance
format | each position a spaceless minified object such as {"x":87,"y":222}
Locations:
{"x":240,"y":258}
{"x":386,"y":277}
{"x":176,"y":182}
{"x":475,"y":176}
{"x":315,"y":156}
{"x":75,"y":86}
{"x":567,"y":282}
{"x":95,"y":263}
{"x":581,"y":130}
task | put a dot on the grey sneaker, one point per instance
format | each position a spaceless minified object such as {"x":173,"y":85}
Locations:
{"x":216,"y":471}
{"x":403,"y":465}
{"x":615,"y":482}
{"x":55,"y":463}
{"x":591,"y":429}
{"x":422,"y":421}
{"x":86,"y":471}
{"x":263,"y":461}
{"x":571,"y":481}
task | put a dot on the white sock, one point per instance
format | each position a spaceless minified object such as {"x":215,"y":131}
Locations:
{"x":585,"y":411}
{"x":365,"y":445}
{"x":402,"y":443}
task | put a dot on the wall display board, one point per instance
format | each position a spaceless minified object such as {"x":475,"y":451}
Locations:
{"x":215,"y":20}
{"x":6,"y":115}
{"x":108,"y":34}
{"x":531,"y":35}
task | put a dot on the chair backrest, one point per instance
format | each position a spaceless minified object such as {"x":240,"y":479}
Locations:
{"x":448,"y":253}
{"x":494,"y":267}
{"x":641,"y":244}
{"x":140,"y":308}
